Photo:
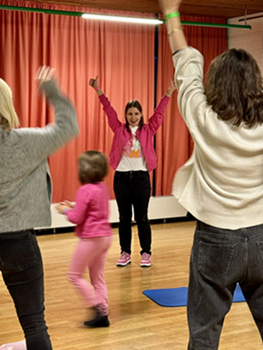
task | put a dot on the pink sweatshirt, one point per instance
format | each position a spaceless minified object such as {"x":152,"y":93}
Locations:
{"x":91,"y":211}
{"x":145,"y":135}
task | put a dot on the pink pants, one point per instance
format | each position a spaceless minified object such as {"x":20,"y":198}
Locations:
{"x":91,"y":254}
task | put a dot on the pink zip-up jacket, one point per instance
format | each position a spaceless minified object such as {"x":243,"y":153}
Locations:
{"x":145,"y":135}
{"x":91,"y":211}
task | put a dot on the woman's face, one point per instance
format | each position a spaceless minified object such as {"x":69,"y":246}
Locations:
{"x":133,"y":116}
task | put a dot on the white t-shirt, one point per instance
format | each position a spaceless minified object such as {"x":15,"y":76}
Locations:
{"x":132,"y":158}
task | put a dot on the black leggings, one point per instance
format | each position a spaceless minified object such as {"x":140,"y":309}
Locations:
{"x":132,"y":188}
{"x":22,"y":270}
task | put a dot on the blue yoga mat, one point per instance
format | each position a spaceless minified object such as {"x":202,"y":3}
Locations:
{"x":174,"y":297}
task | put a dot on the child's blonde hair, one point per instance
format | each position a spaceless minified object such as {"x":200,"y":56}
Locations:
{"x":8,"y":117}
{"x":93,"y":167}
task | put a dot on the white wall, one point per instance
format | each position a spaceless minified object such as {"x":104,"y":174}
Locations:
{"x":162,"y":207}
{"x":249,"y":40}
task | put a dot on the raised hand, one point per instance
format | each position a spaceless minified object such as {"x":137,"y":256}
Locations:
{"x":45,"y":74}
{"x":171,"y":88}
{"x":169,"y":6}
{"x":94,"y":82}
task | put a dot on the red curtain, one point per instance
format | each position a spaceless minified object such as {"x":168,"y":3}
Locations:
{"x":173,"y":142}
{"x":122,"y":55}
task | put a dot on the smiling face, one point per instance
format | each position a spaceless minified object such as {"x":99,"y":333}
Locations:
{"x":133,"y":116}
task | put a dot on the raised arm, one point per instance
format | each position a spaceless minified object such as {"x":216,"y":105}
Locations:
{"x":157,"y":118}
{"x":188,"y":63}
{"x":66,"y":124}
{"x":40,"y":143}
{"x":170,"y":9}
{"x":113,"y":120}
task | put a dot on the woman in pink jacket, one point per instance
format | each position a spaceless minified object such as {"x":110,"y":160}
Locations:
{"x":132,"y":155}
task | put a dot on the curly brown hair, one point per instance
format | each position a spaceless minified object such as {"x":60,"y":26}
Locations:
{"x":93,"y":167}
{"x":234,"y":88}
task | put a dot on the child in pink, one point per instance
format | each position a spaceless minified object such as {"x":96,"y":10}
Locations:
{"x":91,"y":215}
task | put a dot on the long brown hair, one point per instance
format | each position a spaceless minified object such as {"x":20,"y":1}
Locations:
{"x":234,"y":88}
{"x":135,"y":104}
{"x":93,"y":167}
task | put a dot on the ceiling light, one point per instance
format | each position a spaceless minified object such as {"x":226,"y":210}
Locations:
{"x":118,"y":18}
{"x":122,"y":19}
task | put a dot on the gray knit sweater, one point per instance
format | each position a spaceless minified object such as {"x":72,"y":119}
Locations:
{"x":25,"y":183}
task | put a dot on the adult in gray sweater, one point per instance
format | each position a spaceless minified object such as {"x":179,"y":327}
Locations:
{"x":25,"y":198}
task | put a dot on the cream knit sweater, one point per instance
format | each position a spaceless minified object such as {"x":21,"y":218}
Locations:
{"x":222,"y":183}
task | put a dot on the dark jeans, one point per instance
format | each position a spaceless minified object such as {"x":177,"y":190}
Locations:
{"x":22,"y":270}
{"x":132,"y":188}
{"x":220,"y":259}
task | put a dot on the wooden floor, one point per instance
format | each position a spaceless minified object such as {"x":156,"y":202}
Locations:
{"x":137,"y":323}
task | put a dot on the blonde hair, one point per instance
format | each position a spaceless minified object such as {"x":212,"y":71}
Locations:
{"x":8,"y":117}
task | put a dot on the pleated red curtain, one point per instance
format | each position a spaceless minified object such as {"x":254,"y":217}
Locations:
{"x":121,"y":54}
{"x":173,"y":141}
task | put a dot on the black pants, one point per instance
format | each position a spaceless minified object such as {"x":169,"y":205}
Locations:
{"x":132,"y":188}
{"x":22,"y":270}
{"x":219,"y":259}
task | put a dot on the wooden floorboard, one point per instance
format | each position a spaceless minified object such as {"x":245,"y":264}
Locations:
{"x":137,"y":323}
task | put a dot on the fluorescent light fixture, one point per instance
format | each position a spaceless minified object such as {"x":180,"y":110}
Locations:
{"x":118,"y":18}
{"x":122,"y":19}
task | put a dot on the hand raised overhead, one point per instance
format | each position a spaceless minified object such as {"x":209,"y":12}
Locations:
{"x":45,"y":74}
{"x":94,"y":82}
{"x":169,"y":6}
